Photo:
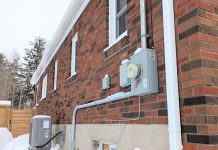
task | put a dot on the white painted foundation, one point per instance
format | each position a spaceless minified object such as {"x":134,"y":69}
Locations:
{"x":127,"y":137}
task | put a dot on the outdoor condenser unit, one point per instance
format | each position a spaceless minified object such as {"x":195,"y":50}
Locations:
{"x":40,"y":132}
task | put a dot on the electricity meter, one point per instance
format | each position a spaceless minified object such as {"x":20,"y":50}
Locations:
{"x":133,"y":71}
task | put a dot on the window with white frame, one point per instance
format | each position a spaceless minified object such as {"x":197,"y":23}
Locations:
{"x":73,"y":55}
{"x":55,"y":74}
{"x":117,"y":20}
{"x":37,"y":91}
{"x":44,"y":87}
{"x":113,"y":147}
{"x":121,"y":17}
{"x":97,"y":145}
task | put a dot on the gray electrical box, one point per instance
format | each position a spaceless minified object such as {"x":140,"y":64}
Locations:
{"x":143,"y":72}
{"x":40,"y":132}
{"x":106,"y":82}
{"x":124,"y":80}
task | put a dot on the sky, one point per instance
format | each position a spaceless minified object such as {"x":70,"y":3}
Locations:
{"x":22,"y":20}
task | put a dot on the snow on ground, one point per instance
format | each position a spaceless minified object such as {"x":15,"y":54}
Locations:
{"x":19,"y":143}
{"x":5,"y":137}
{"x":5,"y":102}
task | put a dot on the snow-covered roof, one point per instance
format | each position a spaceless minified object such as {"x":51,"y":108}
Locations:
{"x":70,"y":18}
{"x":41,"y":116}
{"x":5,"y":102}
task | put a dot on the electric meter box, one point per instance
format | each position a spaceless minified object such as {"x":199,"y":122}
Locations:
{"x":40,"y":132}
{"x":146,"y":81}
{"x":106,"y":82}
{"x":124,"y":80}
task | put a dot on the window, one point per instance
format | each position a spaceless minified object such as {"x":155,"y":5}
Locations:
{"x":117,"y":20}
{"x":36,"y":94}
{"x":44,"y":87}
{"x":113,"y":147}
{"x":73,"y":55}
{"x":103,"y":146}
{"x":121,"y":17}
{"x":55,"y":74}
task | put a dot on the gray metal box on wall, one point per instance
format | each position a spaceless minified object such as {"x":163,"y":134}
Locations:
{"x":40,"y":132}
{"x":143,"y":72}
{"x":124,"y":80}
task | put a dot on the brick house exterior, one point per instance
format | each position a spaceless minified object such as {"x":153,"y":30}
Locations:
{"x":197,"y":57}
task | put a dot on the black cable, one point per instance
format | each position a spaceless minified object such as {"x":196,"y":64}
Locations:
{"x":41,"y":146}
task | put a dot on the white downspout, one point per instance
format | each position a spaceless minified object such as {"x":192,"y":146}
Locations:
{"x":112,"y":98}
{"x":174,"y":125}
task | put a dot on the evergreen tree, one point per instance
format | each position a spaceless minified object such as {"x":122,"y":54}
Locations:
{"x":31,"y":61}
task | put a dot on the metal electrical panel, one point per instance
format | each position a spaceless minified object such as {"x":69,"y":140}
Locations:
{"x":40,"y":132}
{"x":106,"y":82}
{"x":143,"y":72}
{"x":124,"y":80}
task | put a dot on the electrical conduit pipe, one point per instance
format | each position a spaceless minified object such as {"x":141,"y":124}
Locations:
{"x":143,"y":24}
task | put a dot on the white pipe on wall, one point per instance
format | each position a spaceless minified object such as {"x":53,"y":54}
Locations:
{"x":174,"y":125}
{"x":143,"y":24}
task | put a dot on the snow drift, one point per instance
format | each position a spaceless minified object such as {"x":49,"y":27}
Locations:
{"x":5,"y":137}
{"x":19,"y":143}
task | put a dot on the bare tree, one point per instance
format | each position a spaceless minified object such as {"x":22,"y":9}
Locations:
{"x":15,"y":81}
{"x":4,"y":73}
{"x":15,"y":77}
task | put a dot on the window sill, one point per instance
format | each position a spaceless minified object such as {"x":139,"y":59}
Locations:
{"x":35,"y":107}
{"x":72,"y":75}
{"x":53,"y":91}
{"x":124,"y":34}
{"x":42,"y":99}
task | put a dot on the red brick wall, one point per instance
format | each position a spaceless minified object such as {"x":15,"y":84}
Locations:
{"x":197,"y":55}
{"x":197,"y":41}
{"x":93,"y":64}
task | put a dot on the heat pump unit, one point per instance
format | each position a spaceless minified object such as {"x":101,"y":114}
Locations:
{"x":40,"y":132}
